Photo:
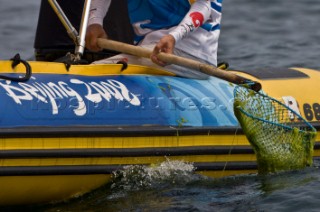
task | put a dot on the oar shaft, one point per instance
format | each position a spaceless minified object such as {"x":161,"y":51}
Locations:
{"x":173,"y":59}
{"x":124,"y":48}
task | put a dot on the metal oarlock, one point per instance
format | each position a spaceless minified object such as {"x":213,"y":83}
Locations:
{"x":78,"y":39}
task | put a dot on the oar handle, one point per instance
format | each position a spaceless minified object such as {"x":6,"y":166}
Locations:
{"x":181,"y":61}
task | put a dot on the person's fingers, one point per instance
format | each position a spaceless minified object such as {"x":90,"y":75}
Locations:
{"x":166,"y":45}
{"x":91,"y":43}
{"x":94,"y":32}
{"x":102,"y":35}
{"x":157,"y":49}
{"x":157,"y":61}
{"x":94,"y":44}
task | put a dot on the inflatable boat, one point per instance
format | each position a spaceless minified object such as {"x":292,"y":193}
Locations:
{"x":67,"y":129}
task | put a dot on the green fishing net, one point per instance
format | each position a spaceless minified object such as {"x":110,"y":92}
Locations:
{"x":281,"y":139}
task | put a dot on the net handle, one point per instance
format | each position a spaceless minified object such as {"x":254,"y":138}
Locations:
{"x":180,"y":61}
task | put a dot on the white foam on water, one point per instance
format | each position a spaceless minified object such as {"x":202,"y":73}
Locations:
{"x":137,"y":177}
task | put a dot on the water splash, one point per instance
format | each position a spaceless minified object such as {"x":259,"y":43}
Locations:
{"x":138,"y":177}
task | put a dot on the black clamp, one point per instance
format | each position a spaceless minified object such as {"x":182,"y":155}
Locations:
{"x":70,"y":59}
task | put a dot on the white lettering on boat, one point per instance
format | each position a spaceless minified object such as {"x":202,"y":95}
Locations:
{"x":52,"y":93}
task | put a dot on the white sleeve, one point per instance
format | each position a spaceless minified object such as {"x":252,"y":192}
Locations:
{"x":198,"y":14}
{"x":98,"y":10}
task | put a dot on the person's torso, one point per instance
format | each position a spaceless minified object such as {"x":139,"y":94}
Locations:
{"x":52,"y":34}
{"x":151,"y":16}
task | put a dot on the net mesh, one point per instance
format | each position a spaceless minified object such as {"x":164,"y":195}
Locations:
{"x":281,"y":139}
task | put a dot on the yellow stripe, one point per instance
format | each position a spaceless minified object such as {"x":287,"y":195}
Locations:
{"x":121,"y":142}
{"x":86,"y":70}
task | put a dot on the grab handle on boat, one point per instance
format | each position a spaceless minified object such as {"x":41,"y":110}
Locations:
{"x":181,"y":61}
{"x":16,"y":60}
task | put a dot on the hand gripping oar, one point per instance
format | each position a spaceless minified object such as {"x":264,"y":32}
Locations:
{"x":176,"y":60}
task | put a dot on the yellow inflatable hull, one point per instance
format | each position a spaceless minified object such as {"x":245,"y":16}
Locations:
{"x":41,"y":164}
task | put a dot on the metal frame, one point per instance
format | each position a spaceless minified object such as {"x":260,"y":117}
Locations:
{"x":78,"y":39}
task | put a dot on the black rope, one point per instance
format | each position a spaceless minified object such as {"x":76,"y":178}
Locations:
{"x":15,"y":61}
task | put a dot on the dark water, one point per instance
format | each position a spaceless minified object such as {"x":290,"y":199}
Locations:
{"x":255,"y":34}
{"x":270,"y":33}
{"x":18,"y":19}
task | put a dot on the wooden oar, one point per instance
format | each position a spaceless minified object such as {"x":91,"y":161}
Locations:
{"x":181,"y":61}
